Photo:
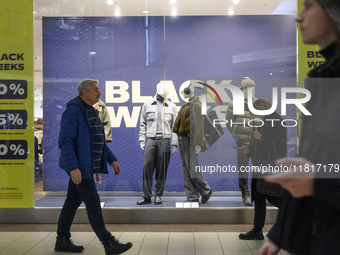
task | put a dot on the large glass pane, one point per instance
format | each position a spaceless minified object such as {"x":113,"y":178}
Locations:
{"x":125,"y":52}
{"x":131,"y":47}
{"x":213,"y":50}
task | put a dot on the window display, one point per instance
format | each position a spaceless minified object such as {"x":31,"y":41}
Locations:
{"x":129,"y":54}
{"x":195,"y":48}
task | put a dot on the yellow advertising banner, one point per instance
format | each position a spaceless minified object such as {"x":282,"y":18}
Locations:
{"x":16,"y":104}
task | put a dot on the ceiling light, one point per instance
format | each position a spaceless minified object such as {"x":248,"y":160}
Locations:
{"x":117,"y":13}
{"x":236,"y":1}
{"x":146,"y":12}
{"x":46,"y":9}
{"x":172,"y":1}
{"x":173,"y":13}
{"x":110,"y":2}
{"x":230,"y":12}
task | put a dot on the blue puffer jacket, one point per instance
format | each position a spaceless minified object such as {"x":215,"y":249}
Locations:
{"x":76,"y":141}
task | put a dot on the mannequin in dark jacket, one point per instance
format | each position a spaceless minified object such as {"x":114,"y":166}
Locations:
{"x":269,"y":135}
{"x":309,"y":216}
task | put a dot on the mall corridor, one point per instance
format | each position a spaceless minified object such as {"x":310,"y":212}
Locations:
{"x":205,"y":239}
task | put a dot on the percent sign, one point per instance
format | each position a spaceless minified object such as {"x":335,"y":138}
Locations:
{"x":15,"y":119}
{"x":16,"y":149}
{"x":16,"y":89}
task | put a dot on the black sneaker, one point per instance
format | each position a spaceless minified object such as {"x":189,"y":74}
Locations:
{"x":65,"y":244}
{"x":144,"y":201}
{"x":206,"y":197}
{"x":115,"y":247}
{"x":158,"y":200}
{"x":246,"y":201}
{"x":252,"y":235}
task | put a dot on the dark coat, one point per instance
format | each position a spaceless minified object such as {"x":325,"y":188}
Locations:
{"x":263,"y":149}
{"x":318,"y":215}
{"x":76,"y":141}
{"x":271,"y":130}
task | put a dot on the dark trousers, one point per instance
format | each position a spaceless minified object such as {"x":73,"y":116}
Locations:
{"x":260,"y":207}
{"x":243,"y":160}
{"x":85,"y":191}
{"x":194,"y":183}
{"x":156,"y":156}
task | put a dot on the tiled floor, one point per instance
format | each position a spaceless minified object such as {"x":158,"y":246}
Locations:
{"x":181,"y":239}
{"x":155,"y":239}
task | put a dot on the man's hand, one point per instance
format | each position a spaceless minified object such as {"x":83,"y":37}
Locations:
{"x":173,"y":148}
{"x":142,"y":144}
{"x":116,"y":167}
{"x":257,"y":135}
{"x":75,"y":176}
{"x":298,"y":182}
{"x":269,"y":248}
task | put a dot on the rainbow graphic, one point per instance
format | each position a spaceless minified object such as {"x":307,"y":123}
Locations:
{"x":209,"y":93}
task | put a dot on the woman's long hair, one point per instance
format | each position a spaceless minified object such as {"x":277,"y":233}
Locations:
{"x":332,"y":10}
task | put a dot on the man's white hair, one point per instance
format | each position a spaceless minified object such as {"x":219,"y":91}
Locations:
{"x":85,"y":84}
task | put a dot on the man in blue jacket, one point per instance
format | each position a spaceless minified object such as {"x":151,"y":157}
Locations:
{"x":83,"y":153}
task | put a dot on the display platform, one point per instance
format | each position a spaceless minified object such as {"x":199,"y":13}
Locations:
{"x":130,"y":202}
{"x":124,"y":210}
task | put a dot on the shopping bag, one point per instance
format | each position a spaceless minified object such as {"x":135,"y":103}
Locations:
{"x":212,"y":131}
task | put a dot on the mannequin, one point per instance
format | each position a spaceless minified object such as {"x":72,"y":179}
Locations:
{"x":162,"y":92}
{"x":242,"y":136}
{"x":104,"y":117}
{"x":156,"y":121}
{"x":189,"y":126}
{"x":188,"y":94}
